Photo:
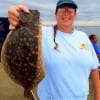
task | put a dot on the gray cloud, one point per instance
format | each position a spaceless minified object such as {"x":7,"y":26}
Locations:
{"x":88,"y":10}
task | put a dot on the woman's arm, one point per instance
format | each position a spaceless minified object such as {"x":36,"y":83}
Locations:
{"x":96,"y":82}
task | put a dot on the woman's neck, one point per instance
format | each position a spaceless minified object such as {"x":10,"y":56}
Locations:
{"x":65,"y":29}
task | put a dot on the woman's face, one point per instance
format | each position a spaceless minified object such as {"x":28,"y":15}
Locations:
{"x":65,"y":15}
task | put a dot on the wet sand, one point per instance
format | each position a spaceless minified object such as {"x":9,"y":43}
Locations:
{"x":9,"y":90}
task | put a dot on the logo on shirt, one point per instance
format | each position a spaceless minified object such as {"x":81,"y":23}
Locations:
{"x":83,"y":46}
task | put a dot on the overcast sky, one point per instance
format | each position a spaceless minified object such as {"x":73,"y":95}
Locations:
{"x":88,"y":10}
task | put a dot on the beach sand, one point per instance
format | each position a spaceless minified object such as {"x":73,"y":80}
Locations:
{"x":9,"y":90}
{"x":91,"y":91}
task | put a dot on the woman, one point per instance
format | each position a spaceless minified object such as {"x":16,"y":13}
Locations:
{"x":69,"y":57}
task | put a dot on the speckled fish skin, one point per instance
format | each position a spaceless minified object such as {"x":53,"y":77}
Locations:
{"x":21,"y":53}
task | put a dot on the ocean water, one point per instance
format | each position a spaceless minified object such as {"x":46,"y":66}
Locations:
{"x":87,"y":29}
{"x":91,"y":30}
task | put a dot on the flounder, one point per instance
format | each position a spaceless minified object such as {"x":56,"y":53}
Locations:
{"x":21,"y":53}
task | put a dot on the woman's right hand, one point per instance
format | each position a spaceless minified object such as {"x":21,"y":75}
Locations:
{"x":13,"y":15}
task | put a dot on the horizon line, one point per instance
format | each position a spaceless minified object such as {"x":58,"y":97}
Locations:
{"x":77,"y":23}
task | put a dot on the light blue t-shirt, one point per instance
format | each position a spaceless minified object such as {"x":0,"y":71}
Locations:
{"x":67,"y":70}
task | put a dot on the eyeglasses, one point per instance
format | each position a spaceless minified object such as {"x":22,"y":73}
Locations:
{"x":69,"y":10}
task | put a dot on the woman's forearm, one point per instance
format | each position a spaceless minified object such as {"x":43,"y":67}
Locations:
{"x":96,"y":82}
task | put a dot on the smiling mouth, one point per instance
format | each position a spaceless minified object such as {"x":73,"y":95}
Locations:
{"x":66,"y":19}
